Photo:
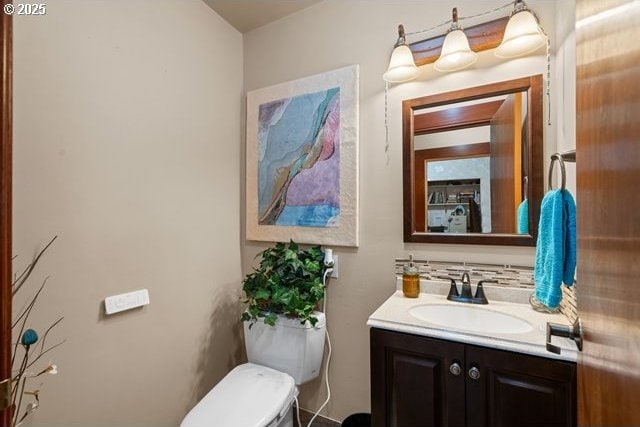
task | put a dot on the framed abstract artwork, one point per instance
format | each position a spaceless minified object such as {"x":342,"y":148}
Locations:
{"x":302,"y":160}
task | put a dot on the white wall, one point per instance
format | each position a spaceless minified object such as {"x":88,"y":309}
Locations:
{"x":564,"y":86}
{"x":127,"y":145}
{"x":333,"y":34}
{"x":452,"y":138}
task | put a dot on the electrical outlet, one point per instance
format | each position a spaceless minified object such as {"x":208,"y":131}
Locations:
{"x":334,"y":273}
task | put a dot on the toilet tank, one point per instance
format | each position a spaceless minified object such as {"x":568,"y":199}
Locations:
{"x":288,"y":346}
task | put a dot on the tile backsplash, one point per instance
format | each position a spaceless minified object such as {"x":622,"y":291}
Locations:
{"x":506,"y":275}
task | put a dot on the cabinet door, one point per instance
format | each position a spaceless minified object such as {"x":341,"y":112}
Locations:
{"x":519,"y":390}
{"x":411,"y":384}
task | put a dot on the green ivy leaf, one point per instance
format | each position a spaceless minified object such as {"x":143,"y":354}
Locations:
{"x":270,"y":319}
{"x":289,"y":280}
{"x":262,"y":294}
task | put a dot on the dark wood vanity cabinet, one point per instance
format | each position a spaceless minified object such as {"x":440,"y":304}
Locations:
{"x":410,"y":381}
{"x":414,"y":384}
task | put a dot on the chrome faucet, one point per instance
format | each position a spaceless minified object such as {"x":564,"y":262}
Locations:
{"x":466,"y":296}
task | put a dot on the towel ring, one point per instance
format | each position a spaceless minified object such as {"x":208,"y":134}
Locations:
{"x":563,"y":171}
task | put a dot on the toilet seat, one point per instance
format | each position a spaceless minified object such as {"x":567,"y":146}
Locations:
{"x":249,"y":396}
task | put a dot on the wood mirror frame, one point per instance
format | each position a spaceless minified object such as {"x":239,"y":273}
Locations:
{"x":532,"y":85}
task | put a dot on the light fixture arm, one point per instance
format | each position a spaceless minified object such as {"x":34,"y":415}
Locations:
{"x":519,"y":6}
{"x":402,"y":38}
{"x":455,"y":25}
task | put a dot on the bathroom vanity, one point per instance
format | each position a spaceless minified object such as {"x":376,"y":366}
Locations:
{"x":441,"y":363}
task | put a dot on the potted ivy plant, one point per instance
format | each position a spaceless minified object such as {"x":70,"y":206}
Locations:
{"x":287,"y":282}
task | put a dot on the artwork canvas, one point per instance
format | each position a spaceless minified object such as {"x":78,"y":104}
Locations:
{"x":302,"y":160}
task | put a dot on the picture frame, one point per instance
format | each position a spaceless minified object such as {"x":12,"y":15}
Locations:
{"x":302,"y":160}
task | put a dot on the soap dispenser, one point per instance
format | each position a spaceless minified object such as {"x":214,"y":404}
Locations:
{"x":410,"y":279}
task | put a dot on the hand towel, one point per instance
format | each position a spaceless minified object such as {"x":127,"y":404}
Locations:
{"x":556,"y":247}
{"x":523,"y":217}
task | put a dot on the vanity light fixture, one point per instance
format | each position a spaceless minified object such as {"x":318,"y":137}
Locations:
{"x":402,"y":68}
{"x":456,"y":53}
{"x":523,"y":34}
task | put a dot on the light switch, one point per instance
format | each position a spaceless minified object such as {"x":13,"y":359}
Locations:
{"x":122,"y":302}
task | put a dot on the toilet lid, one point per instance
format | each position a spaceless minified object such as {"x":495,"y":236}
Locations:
{"x":249,"y":396}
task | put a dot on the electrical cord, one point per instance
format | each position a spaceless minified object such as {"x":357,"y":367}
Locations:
{"x":327,"y":272}
{"x":297,"y":410}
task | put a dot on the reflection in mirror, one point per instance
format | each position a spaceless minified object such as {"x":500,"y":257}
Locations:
{"x":486,"y":168}
{"x":472,"y":161}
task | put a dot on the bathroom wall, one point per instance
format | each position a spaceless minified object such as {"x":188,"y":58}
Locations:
{"x":333,"y":34}
{"x":127,"y":146}
{"x":564,"y":85}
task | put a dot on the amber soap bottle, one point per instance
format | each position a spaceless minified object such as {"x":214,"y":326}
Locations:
{"x":410,"y":279}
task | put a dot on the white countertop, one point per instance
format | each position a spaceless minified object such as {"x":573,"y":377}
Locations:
{"x":394,"y":315}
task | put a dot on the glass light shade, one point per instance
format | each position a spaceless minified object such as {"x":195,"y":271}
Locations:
{"x":456,"y":53}
{"x":522,"y":35}
{"x":401,"y":66}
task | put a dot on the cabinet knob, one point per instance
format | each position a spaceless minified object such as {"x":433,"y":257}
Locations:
{"x":455,"y":368}
{"x":474,"y":373}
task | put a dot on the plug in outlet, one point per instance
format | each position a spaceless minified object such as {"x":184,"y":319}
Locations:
{"x":334,"y":273}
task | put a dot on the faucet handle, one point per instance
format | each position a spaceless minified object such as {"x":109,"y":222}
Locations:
{"x":480,"y":297}
{"x":453,"y":291}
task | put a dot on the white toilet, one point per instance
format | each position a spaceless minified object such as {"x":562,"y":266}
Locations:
{"x":261,"y":393}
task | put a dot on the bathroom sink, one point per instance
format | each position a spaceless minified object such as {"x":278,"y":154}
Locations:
{"x":470,"y":318}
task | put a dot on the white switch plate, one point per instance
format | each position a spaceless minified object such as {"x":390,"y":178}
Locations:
{"x":334,"y":273}
{"x":122,"y":302}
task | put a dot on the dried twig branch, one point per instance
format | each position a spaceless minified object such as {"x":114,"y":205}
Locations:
{"x":45,"y":352}
{"x":15,"y":287}
{"x":28,"y":339}
{"x":44,"y":336}
{"x":25,"y":316}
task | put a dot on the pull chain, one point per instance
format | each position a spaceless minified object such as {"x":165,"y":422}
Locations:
{"x":386,"y":120}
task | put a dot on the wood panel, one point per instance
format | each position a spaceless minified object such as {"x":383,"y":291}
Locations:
{"x":487,"y":35}
{"x":441,"y":153}
{"x":6,"y":85}
{"x":608,"y":174}
{"x":506,"y":168}
{"x":455,"y":118}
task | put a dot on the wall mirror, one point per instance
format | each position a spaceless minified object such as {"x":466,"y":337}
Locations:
{"x":470,"y":159}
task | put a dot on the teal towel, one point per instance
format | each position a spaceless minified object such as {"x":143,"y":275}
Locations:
{"x":523,"y":217}
{"x":556,"y":247}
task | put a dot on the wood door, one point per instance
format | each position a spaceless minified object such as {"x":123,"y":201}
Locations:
{"x":519,"y":390}
{"x":608,"y":182}
{"x":411,"y":385}
{"x":5,"y":202}
{"x":506,"y":164}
